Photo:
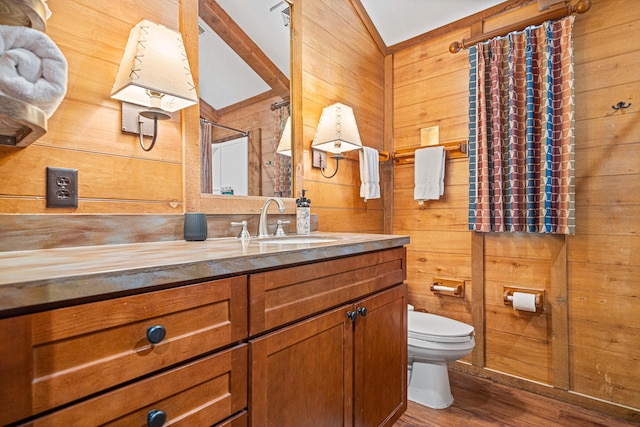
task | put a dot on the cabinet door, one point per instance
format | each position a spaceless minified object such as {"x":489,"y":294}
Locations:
{"x":301,"y":375}
{"x":380,"y":358}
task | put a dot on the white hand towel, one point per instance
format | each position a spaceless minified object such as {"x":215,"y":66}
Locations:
{"x":369,"y":174}
{"x":32,"y":68}
{"x":429,"y":174}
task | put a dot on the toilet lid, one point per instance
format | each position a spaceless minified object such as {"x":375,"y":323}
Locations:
{"x":431,"y":327}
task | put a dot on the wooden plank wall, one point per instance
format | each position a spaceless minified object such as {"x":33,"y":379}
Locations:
{"x":604,"y":256}
{"x":602,"y":262}
{"x":341,"y":63}
{"x":115,"y":175}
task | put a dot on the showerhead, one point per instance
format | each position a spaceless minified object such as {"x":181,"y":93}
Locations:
{"x":286,"y":16}
{"x":284,"y":13}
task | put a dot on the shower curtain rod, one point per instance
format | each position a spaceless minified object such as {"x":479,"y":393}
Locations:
{"x":243,"y":132}
{"x":277,"y":105}
{"x":581,"y":6}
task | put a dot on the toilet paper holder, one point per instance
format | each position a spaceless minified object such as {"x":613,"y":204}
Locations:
{"x":507,"y":296}
{"x":451,"y":287}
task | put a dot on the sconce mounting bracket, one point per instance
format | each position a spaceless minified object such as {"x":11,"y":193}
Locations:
{"x":130,"y":118}
{"x":319,"y":159}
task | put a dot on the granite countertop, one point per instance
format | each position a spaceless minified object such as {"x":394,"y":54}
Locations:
{"x":35,"y":279}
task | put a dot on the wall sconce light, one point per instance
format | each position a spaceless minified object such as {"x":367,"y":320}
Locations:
{"x":337,"y":133}
{"x":154,"y":73}
{"x":284,"y":147}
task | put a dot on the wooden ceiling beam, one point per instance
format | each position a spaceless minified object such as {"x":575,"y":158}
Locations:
{"x":241,"y":43}
{"x":208,"y":112}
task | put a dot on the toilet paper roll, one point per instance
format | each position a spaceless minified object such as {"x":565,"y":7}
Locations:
{"x":524,"y":302}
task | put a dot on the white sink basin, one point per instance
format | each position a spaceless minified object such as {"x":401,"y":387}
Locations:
{"x":295,"y":240}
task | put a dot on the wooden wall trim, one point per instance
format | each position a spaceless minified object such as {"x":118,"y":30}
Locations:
{"x":585,"y":401}
{"x":366,"y":20}
{"x":557,"y":303}
{"x":387,"y":169}
{"x":190,"y":117}
{"x":297,"y":125}
{"x":477,"y":296}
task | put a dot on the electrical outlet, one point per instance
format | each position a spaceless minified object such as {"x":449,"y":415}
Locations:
{"x":62,"y":188}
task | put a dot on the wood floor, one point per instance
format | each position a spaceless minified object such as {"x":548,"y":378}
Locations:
{"x":479,"y":402}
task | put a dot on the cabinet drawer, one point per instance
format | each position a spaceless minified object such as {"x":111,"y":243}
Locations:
{"x":239,"y":420}
{"x":283,"y":296}
{"x":200,"y":393}
{"x":77,"y":351}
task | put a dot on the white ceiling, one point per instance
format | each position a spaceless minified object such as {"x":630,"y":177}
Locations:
{"x":225,"y":79}
{"x":400,"y":20}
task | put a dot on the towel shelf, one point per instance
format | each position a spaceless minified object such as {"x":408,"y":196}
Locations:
{"x":407,"y":155}
{"x":24,"y":13}
{"x":20,"y":123}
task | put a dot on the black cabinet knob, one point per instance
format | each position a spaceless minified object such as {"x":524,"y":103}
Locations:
{"x":155,"y":334}
{"x":352,"y":315}
{"x":362,"y":311}
{"x":156,"y":418}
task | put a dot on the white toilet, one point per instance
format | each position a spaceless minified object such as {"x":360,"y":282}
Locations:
{"x":434,"y":343}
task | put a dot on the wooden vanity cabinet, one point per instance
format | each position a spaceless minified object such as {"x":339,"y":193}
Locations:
{"x":342,"y":366}
{"x":318,"y":344}
{"x":62,"y":356}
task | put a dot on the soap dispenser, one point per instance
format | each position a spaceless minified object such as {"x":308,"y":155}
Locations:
{"x":303,"y":214}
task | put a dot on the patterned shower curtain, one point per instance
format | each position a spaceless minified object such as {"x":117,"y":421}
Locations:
{"x":521,"y":132}
{"x":206,"y":181}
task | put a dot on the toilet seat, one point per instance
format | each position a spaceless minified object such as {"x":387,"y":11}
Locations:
{"x":434,"y":328}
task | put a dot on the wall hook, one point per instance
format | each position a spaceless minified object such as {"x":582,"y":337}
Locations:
{"x":621,"y":105}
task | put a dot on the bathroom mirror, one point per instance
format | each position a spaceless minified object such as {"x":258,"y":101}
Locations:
{"x":245,"y":96}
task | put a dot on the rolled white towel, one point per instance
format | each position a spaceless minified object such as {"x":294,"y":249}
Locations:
{"x":32,"y":68}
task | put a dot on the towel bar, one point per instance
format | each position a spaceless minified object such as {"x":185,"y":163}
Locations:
{"x":406,"y":155}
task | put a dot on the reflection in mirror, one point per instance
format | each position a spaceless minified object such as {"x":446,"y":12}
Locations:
{"x":245,"y":163}
{"x":244,"y":96}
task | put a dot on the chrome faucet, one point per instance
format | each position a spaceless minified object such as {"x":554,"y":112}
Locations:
{"x":262,"y":227}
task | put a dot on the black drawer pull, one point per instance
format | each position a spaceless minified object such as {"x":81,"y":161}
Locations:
{"x":155,"y":334}
{"x":362,"y":311}
{"x":156,"y":418}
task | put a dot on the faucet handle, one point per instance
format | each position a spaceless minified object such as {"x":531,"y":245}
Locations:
{"x":279,"y":230}
{"x":244,"y":234}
